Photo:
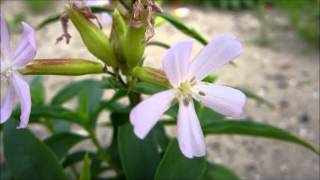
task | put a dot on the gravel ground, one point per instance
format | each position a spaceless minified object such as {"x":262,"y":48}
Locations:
{"x":286,"y":72}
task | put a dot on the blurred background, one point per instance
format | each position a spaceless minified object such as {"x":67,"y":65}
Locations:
{"x":280,"y":62}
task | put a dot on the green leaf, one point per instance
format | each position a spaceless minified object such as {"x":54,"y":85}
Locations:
{"x":118,"y":95}
{"x":139,"y":158}
{"x":60,"y":126}
{"x":114,"y":107}
{"x":174,"y":165}
{"x":37,"y":91}
{"x":48,"y":20}
{"x":96,"y":164}
{"x":183,"y":28}
{"x":27,"y":157}
{"x":219,"y":172}
{"x":206,"y":115}
{"x":56,"y":113}
{"x":61,"y":143}
{"x":158,"y":43}
{"x":89,"y":101}
{"x":85,"y":172}
{"x":256,"y":97}
{"x":211,"y":78}
{"x":111,"y":83}
{"x":160,"y":136}
{"x":75,"y":157}
{"x":72,"y":90}
{"x":5,"y":173}
{"x":249,"y":128}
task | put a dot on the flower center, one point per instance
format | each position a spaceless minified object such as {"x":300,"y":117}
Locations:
{"x":185,"y":89}
{"x":6,"y":71}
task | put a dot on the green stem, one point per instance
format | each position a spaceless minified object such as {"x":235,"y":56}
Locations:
{"x":101,"y":151}
{"x":134,"y":98}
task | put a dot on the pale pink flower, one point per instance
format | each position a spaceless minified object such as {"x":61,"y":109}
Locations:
{"x":185,"y":77}
{"x":18,"y":88}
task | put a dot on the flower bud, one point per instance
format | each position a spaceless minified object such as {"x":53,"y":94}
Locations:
{"x":117,"y":37}
{"x":71,"y":67}
{"x":134,"y":45}
{"x":94,"y":38}
{"x":151,"y":75}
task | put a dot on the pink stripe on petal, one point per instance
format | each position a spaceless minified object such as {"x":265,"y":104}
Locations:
{"x":217,"y":53}
{"x":26,"y":49}
{"x":146,"y":114}
{"x":222,"y":99}
{"x":5,"y":38}
{"x":7,"y":105}
{"x":22,"y":91}
{"x":190,"y":136}
{"x":176,"y":62}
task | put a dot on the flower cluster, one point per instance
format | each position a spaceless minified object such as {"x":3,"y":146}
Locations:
{"x":185,"y":76}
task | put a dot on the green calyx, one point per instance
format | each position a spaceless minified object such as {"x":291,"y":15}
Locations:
{"x":71,"y":67}
{"x":134,"y":45}
{"x":118,"y":32}
{"x":151,"y":75}
{"x":93,"y":37}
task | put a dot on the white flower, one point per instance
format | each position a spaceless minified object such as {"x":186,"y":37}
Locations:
{"x":185,"y":77}
{"x":10,"y":62}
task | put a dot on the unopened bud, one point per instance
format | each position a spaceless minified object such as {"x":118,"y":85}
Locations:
{"x":151,"y":75}
{"x":134,"y":45}
{"x":93,"y":37}
{"x":118,"y":32}
{"x":71,"y":67}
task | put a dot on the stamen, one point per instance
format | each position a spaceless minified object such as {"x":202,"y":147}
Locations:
{"x":201,"y":93}
{"x":186,"y":101}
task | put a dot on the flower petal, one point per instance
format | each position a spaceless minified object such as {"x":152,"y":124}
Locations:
{"x":146,"y":114}
{"x":217,"y":53}
{"x":176,"y":62}
{"x":26,"y":49}
{"x":106,"y":19}
{"x":190,"y":136}
{"x":222,"y":99}
{"x":22,"y":90}
{"x":5,"y":39}
{"x":7,"y":105}
{"x":97,"y":2}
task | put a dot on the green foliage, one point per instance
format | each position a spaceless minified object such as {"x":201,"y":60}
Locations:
{"x":256,"y":97}
{"x":37,"y":91}
{"x":85,"y":172}
{"x":61,"y":143}
{"x":174,"y":165}
{"x":139,"y":158}
{"x":223,"y":4}
{"x":27,"y":156}
{"x":183,"y":28}
{"x":37,"y":6}
{"x":250,"y":128}
{"x":217,"y":171}
{"x":305,"y":17}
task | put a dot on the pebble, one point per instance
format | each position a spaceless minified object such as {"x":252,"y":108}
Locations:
{"x":304,"y":118}
{"x":284,"y":104}
{"x":282,"y":84}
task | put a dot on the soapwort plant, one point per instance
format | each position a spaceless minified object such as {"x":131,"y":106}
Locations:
{"x":182,"y":93}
